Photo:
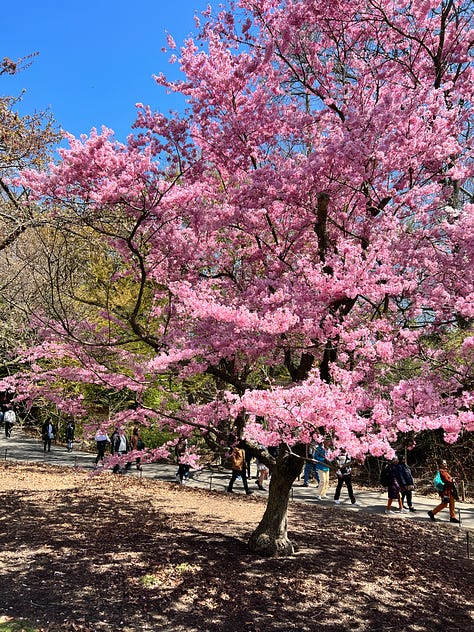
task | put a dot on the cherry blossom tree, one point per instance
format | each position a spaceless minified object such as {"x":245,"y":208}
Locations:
{"x":302,"y":238}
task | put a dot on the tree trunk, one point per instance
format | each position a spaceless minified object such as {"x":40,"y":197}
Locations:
{"x":270,"y":538}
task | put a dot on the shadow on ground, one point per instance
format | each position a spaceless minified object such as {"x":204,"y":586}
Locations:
{"x":111,"y":553}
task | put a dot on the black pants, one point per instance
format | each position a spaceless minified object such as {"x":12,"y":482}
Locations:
{"x":407,"y":493}
{"x":347,"y":479}
{"x":116,"y":468}
{"x":100,"y":451}
{"x":235,"y":474}
{"x":183,"y":469}
{"x":8,"y":429}
{"x":46,"y":444}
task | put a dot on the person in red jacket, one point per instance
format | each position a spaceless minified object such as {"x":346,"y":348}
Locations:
{"x":449,"y":494}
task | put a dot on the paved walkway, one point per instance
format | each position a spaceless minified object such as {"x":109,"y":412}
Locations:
{"x":21,"y":447}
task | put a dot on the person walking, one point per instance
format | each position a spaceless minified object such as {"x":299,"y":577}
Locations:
{"x":101,"y":439}
{"x":69,"y":435}
{"x":262,"y":474}
{"x":9,"y":419}
{"x":406,"y":482}
{"x":47,"y":434}
{"x":343,"y":463}
{"x":448,"y":494}
{"x":393,"y":487}
{"x":238,"y":469}
{"x":248,"y":460}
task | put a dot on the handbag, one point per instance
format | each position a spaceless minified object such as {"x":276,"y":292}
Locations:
{"x":455,"y":492}
{"x":410,"y":488}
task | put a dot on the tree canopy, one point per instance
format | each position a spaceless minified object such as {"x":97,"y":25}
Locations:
{"x":301,"y":239}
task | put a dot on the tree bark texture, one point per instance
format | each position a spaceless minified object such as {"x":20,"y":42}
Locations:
{"x":270,"y":538}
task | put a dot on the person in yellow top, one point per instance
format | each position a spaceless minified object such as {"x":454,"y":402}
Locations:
{"x":238,"y":468}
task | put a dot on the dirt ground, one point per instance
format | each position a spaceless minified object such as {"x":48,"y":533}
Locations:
{"x":112,"y":553}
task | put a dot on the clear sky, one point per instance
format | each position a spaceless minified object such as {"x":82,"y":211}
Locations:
{"x":96,"y":57}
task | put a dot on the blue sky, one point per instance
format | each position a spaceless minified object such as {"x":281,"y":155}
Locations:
{"x":96,"y":58}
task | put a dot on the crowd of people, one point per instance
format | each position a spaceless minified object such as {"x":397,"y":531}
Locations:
{"x":398,"y":479}
{"x":397,"y":475}
{"x":120,"y":446}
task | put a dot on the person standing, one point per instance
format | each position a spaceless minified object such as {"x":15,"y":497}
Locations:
{"x":238,"y":469}
{"x":47,"y":434}
{"x":119,"y":445}
{"x":344,"y":477}
{"x":406,"y":482}
{"x":181,"y":456}
{"x":310,"y":466}
{"x":69,"y":435}
{"x":9,"y":419}
{"x":320,"y":456}
{"x":448,"y":495}
{"x":393,"y":487}
{"x":137,"y":443}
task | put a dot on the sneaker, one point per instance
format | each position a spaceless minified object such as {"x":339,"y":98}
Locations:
{"x":356,"y":504}
{"x":389,"y":511}
{"x":454,"y":520}
{"x":249,"y":492}
{"x":411,"y":509}
{"x":432,"y":516}
{"x":337,"y":502}
{"x":305,"y":485}
{"x":323,"y":498}
{"x":403,"y":510}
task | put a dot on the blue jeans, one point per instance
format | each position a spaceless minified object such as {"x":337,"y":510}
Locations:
{"x":308,"y":468}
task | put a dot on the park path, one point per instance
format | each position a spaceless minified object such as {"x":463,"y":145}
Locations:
{"x":22,"y":447}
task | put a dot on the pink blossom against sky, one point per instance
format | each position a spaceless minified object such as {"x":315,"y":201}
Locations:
{"x":96,"y":59}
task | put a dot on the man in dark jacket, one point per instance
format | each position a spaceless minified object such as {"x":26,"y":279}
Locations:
{"x":119,"y":445}
{"x":47,"y":433}
{"x":405,"y":480}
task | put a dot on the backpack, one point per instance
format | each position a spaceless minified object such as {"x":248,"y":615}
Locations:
{"x":385,"y":476}
{"x":438,"y":482}
{"x":238,"y":458}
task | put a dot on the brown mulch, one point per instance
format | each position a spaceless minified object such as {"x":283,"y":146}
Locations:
{"x":118,"y":553}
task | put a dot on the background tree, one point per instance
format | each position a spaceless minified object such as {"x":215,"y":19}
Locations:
{"x":25,"y":142}
{"x":297,"y":236}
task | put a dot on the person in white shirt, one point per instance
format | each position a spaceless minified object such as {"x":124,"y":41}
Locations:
{"x":101,"y":439}
{"x":9,"y":419}
{"x":344,"y":476}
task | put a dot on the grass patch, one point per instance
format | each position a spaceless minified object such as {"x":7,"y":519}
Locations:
{"x":8,"y":624}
